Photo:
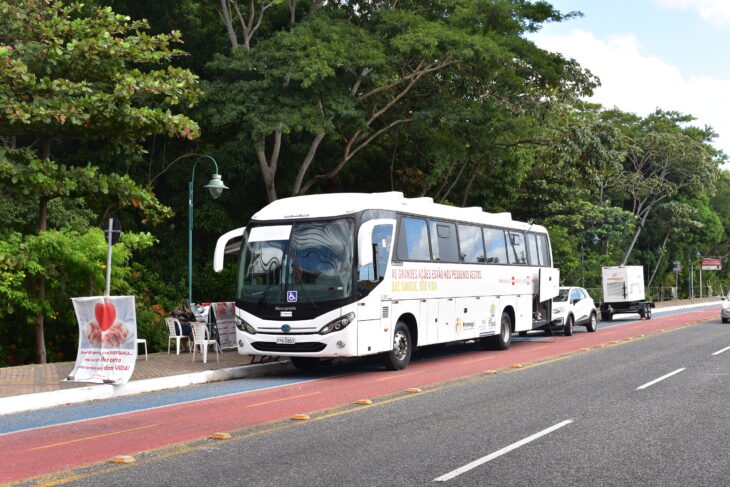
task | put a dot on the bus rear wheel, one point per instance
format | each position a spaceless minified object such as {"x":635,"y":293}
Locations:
{"x":400,"y":355}
{"x":504,"y":338}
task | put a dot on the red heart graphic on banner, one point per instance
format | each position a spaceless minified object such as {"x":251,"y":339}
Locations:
{"x":105,"y":315}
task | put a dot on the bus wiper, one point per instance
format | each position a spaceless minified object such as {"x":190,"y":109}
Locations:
{"x":297,"y":271}
{"x":308,"y":296}
{"x":274,"y":265}
{"x":266,"y":291}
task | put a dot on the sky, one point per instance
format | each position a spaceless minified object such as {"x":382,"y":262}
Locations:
{"x":649,"y":54}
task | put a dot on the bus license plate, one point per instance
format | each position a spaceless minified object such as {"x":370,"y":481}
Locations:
{"x":286,"y":341}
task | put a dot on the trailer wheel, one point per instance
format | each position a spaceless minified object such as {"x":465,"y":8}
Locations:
{"x":592,"y":323}
{"x":606,"y":316}
{"x":400,"y":355}
{"x":568,"y":328}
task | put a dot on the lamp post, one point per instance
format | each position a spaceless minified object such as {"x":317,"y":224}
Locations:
{"x":216,"y":187}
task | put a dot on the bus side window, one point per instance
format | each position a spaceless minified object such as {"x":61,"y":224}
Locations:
{"x":518,"y":252}
{"x":413,"y":240}
{"x":443,"y":241}
{"x":496,"y":249}
{"x":532,"y":249}
{"x":471,"y":245}
{"x":543,"y":250}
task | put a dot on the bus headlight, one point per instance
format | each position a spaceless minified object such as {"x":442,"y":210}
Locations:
{"x":338,"y":324}
{"x":244,"y":326}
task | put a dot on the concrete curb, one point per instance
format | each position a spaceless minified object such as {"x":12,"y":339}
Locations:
{"x":44,"y":400}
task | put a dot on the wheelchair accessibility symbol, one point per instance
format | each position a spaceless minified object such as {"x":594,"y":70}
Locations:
{"x":291,"y":296}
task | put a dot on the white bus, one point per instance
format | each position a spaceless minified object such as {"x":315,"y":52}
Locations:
{"x":350,"y":275}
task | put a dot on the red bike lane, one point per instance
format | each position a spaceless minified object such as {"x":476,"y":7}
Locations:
{"x":46,"y":450}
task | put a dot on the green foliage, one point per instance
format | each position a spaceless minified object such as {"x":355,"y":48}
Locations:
{"x":68,"y":72}
{"x":444,"y":99}
{"x":73,"y":264}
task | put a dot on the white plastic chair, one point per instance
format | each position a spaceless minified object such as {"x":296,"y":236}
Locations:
{"x":174,"y":327}
{"x":202,"y":339}
{"x":143,"y":341}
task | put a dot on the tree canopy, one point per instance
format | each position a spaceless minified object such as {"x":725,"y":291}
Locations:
{"x":102,"y":103}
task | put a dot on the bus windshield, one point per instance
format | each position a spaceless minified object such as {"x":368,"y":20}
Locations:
{"x":300,"y":263}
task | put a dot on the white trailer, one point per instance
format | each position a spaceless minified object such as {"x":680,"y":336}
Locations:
{"x":623,"y":292}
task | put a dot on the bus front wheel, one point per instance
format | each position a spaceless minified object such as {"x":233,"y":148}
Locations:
{"x":304,"y":363}
{"x":400,"y":355}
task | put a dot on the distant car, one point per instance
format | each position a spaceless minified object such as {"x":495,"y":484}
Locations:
{"x":725,"y":309}
{"x":573,"y":306}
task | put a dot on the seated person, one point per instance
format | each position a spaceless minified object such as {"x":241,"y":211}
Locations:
{"x":201,"y":312}
{"x":184,"y":314}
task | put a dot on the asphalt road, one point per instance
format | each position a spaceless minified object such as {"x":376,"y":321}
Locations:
{"x":651,"y":410}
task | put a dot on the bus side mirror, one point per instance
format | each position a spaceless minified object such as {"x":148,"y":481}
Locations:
{"x":222,"y":247}
{"x":365,"y":240}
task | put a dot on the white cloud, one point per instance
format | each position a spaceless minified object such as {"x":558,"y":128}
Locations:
{"x":715,"y":12}
{"x":633,"y":80}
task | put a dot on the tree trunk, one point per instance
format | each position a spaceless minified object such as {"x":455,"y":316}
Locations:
{"x":40,"y":338}
{"x":637,"y":232}
{"x":658,"y":261}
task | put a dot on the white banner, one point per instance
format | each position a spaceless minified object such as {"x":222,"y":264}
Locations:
{"x":107,"y":339}
{"x":222,"y":316}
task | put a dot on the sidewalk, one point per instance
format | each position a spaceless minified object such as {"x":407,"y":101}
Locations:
{"x":33,"y":387}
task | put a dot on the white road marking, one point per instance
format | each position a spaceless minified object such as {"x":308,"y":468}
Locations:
{"x":501,"y":452}
{"x":648,"y":384}
{"x":720,"y":351}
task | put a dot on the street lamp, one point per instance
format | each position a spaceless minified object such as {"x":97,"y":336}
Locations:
{"x":216,"y":187}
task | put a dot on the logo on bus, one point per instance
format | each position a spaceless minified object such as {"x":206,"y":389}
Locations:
{"x":291,"y":296}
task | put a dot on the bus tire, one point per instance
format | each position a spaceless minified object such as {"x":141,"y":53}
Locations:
{"x":592,"y":323}
{"x":568,"y":328}
{"x":400,"y":355}
{"x":304,"y":363}
{"x":502,"y":340}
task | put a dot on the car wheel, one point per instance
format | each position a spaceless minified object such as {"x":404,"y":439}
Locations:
{"x":568,"y":329}
{"x":400,"y":355}
{"x":724,"y":320}
{"x":592,"y":323}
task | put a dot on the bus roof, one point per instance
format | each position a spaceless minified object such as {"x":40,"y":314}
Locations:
{"x":337,"y":204}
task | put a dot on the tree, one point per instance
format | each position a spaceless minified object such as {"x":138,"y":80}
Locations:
{"x":69,"y":76}
{"x":316,"y":83}
{"x":665,"y":157}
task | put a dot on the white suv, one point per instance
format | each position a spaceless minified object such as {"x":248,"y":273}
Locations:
{"x":725,"y":309}
{"x":573,"y":306}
